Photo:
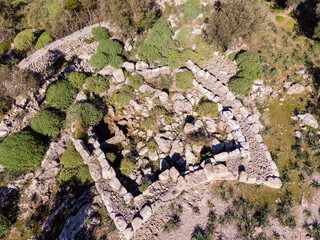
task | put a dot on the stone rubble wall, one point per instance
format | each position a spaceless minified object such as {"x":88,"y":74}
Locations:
{"x":44,"y":57}
{"x":259,"y":167}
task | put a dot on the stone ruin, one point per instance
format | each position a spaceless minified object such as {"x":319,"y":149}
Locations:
{"x":247,"y":161}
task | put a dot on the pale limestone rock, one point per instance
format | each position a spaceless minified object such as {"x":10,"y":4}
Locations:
{"x":174,"y":173}
{"x":136,"y":223}
{"x":120,"y":223}
{"x":118,"y":75}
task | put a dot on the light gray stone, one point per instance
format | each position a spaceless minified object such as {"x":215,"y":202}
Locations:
{"x":137,"y":223}
{"x":115,"y":184}
{"x":120,"y":223}
{"x":128,"y":66}
{"x":118,"y":75}
{"x":174,"y":173}
{"x":308,"y":119}
{"x":128,"y":233}
{"x":164,"y":176}
{"x":221,"y":157}
{"x":146,"y":212}
{"x":141,"y":65}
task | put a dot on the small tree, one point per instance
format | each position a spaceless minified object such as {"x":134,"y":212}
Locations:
{"x":24,"y":40}
{"x":184,"y":80}
{"x":100,"y":33}
{"x":46,"y":123}
{"x":97,"y":84}
{"x":21,"y":151}
{"x":84,"y":113}
{"x":127,"y":166}
{"x":61,"y":94}
{"x":77,"y":79}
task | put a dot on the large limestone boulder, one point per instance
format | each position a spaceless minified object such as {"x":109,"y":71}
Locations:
{"x":308,"y":119}
{"x":120,"y":223}
{"x":118,"y":75}
{"x":296,"y":89}
{"x":182,"y":106}
{"x":217,"y":172}
{"x":164,"y":142}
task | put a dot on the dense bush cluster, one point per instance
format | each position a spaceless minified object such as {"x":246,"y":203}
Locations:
{"x":100,"y":33}
{"x":184,"y":80}
{"x":61,"y":94}
{"x":127,"y":166}
{"x":77,"y":79}
{"x":74,"y":170}
{"x":207,"y":108}
{"x":233,"y":19}
{"x":43,"y":40}
{"x":22,"y":151}
{"x":97,"y":84}
{"x":24,"y":40}
{"x":159,"y":44}
{"x":108,"y":52}
{"x":84,"y":113}
{"x":250,"y":70}
{"x":46,"y":123}
{"x":191,"y":9}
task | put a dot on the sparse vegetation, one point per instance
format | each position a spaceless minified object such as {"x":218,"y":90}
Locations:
{"x":77,"y":79}
{"x":207,"y":108}
{"x":184,"y":80}
{"x":97,"y":84}
{"x":127,"y":166}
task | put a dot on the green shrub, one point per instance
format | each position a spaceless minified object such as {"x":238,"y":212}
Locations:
{"x":123,"y":96}
{"x":135,"y":81}
{"x":84,"y":113}
{"x":71,"y":4}
{"x":77,"y":79}
{"x":24,"y":40}
{"x":111,"y":157}
{"x":144,"y":185}
{"x":184,"y":80}
{"x":250,"y":70}
{"x":4,"y":47}
{"x":191,"y":9}
{"x":73,"y":169}
{"x":110,"y":47}
{"x":97,"y":84}
{"x":71,"y":158}
{"x":280,"y":19}
{"x":5,"y":104}
{"x":5,"y":226}
{"x":185,"y":38}
{"x":100,"y":33}
{"x":162,"y":82}
{"x":46,"y":123}
{"x":22,"y":151}
{"x":115,"y":61}
{"x":172,"y":225}
{"x":207,"y":108}
{"x":43,"y":40}
{"x":61,"y":94}
{"x":127,"y":166}
{"x":277,"y":10}
{"x":99,"y":60}
{"x":159,"y":44}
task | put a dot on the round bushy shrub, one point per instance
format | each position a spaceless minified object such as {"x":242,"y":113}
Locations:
{"x":184,"y":80}
{"x":24,"y":40}
{"x":61,"y":94}
{"x":100,"y":33}
{"x":86,"y":113}
{"x":135,"y":81}
{"x":74,"y":169}
{"x":77,"y":79}
{"x":99,"y":60}
{"x":208,"y":109}
{"x":191,"y":9}
{"x":127,"y":166}
{"x":71,"y":158}
{"x":109,"y":47}
{"x":97,"y":84}
{"x":43,"y":40}
{"x":115,"y":61}
{"x":71,"y":4}
{"x":4,"y":47}
{"x":5,"y":225}
{"x":46,"y":123}
{"x":21,"y":151}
